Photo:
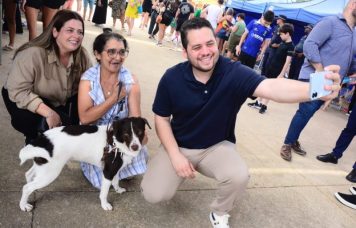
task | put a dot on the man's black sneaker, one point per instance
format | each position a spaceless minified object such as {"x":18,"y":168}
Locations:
{"x":353,"y":190}
{"x":348,"y":200}
{"x":351,"y":176}
{"x":255,"y":105}
{"x":263,"y":109}
{"x":327,"y":158}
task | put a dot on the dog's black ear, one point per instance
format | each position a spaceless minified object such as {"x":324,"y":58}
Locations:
{"x":146,"y":122}
{"x":115,"y":125}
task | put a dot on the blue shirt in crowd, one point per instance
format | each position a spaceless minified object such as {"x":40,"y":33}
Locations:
{"x":257,"y":33}
{"x":204,"y":114}
{"x":331,"y":41}
{"x":276,"y":38}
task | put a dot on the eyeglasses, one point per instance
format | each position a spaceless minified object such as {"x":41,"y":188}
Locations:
{"x":113,"y":52}
{"x":71,"y":31}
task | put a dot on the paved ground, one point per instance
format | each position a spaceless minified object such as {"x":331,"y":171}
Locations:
{"x":279,"y":194}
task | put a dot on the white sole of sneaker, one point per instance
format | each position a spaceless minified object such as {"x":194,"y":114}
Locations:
{"x":215,"y":223}
{"x":353,"y":190}
{"x":338,"y":197}
{"x":254,"y":106}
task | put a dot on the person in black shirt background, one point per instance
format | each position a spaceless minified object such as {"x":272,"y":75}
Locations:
{"x":279,"y":63}
{"x":298,"y":56}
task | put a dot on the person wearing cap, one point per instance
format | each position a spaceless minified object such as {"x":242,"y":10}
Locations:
{"x":298,"y":56}
{"x":274,"y":44}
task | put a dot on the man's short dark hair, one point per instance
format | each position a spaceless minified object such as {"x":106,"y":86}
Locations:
{"x":230,"y":11}
{"x":287,"y":28}
{"x":268,"y":16}
{"x":241,"y":15}
{"x":193,"y":24}
{"x":221,"y":2}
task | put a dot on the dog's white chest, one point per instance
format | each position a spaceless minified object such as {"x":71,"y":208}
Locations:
{"x":126,"y":160}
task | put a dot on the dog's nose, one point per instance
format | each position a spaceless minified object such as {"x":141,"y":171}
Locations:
{"x":134,"y":147}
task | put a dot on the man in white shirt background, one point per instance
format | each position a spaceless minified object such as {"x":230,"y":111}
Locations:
{"x":213,"y":12}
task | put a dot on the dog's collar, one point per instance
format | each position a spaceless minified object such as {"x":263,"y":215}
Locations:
{"x":110,"y":145}
{"x":111,"y":148}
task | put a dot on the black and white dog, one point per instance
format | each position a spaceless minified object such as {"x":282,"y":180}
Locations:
{"x":111,"y":149}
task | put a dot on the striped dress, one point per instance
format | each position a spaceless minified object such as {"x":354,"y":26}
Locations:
{"x":120,"y":110}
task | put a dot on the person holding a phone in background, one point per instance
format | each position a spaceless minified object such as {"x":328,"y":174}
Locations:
{"x":332,"y":41}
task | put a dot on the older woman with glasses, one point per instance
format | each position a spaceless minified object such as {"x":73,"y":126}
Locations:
{"x":109,"y":91}
{"x":41,"y":89}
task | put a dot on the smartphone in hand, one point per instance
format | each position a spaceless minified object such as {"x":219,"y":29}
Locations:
{"x":317,"y":83}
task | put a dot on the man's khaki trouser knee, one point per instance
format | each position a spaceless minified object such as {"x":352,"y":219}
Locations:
{"x":220,"y":161}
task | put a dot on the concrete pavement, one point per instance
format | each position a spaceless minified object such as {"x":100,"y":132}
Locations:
{"x":279,"y":194}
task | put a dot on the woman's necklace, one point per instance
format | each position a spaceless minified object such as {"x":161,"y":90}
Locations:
{"x":108,"y":87}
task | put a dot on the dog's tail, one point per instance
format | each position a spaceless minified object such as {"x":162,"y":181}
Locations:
{"x":30,"y":152}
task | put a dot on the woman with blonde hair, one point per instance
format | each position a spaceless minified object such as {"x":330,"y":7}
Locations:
{"x":41,"y":89}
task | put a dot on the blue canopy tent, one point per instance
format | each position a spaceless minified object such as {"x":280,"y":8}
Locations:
{"x":298,"y":14}
{"x":308,"y":12}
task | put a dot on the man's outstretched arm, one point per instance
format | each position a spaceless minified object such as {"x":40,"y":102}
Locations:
{"x":291,"y":91}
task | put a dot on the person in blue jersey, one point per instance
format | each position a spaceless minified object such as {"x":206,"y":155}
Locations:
{"x":274,"y":44}
{"x":279,"y":63}
{"x":195,"y":109}
{"x":255,"y":40}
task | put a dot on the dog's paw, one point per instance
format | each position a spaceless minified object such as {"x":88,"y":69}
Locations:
{"x":120,"y":190}
{"x":106,"y":206}
{"x":26,"y":207}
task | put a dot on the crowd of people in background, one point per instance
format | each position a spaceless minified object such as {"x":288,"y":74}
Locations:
{"x":264,"y":45}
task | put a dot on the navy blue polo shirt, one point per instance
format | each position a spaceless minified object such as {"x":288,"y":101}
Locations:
{"x":204,"y":114}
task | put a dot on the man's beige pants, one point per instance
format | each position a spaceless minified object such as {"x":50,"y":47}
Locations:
{"x":220,"y":161}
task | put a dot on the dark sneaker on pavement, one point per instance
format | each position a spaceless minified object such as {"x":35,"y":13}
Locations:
{"x":263,"y":109}
{"x":255,"y":105}
{"x":351,"y":176}
{"x":330,"y":158}
{"x":353,"y":190}
{"x":348,"y":200}
{"x":298,"y":149}
{"x":286,"y":152}
{"x":219,"y":221}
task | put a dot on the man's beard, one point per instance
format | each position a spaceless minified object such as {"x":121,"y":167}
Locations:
{"x":202,"y":69}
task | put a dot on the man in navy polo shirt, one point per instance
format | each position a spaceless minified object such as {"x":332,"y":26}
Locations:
{"x":195,"y":112}
{"x":255,"y":40}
